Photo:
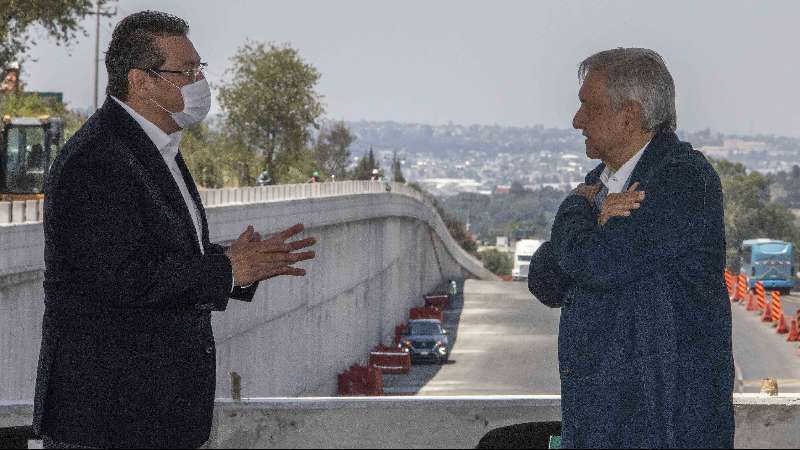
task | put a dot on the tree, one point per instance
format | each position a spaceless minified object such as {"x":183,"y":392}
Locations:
{"x":366,"y":166}
{"x":270,"y":102}
{"x":22,"y":104}
{"x":748,"y":212}
{"x":785,"y":187}
{"x":497,"y":262}
{"x":517,"y":188}
{"x":60,"y":20}
{"x":296,"y":164}
{"x":397,"y":169}
{"x":461,"y":235}
{"x":332,"y":150}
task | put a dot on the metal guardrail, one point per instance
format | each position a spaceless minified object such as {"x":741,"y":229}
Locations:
{"x":32,"y":211}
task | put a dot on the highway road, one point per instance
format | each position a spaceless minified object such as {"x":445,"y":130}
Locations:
{"x":760,"y":352}
{"x":506,"y":344}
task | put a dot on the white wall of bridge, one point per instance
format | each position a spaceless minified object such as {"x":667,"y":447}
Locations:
{"x":378,"y":253}
{"x":427,"y":422}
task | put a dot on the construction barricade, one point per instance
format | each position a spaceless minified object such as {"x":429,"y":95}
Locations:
{"x":729,"y":283}
{"x":761,"y":297}
{"x":361,"y":381}
{"x":741,"y":288}
{"x":757,"y":299}
{"x":778,"y":318}
{"x":439,"y":301}
{"x":390,"y":360}
{"x":426,"y":313}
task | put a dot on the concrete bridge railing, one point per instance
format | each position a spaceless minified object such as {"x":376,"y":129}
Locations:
{"x":381,"y":248}
{"x":32,"y":211}
{"x":427,"y":422}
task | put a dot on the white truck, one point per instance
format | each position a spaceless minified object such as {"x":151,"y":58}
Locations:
{"x":522,"y":258}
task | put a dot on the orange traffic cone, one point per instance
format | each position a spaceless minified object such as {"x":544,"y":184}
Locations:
{"x":767,"y":316}
{"x":794,"y":333}
{"x":751,"y":302}
{"x":782,"y":328}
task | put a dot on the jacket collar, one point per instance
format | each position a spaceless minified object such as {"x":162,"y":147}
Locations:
{"x":663,"y":145}
{"x":147,"y":164}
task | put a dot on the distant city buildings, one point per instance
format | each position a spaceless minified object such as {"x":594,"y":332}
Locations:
{"x":450,"y":159}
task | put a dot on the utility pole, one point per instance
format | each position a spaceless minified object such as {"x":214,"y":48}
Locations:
{"x":98,"y":13}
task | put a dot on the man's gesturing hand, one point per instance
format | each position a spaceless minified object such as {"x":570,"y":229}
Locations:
{"x":588,"y":191}
{"x":255,"y":260}
{"x":621,"y":205}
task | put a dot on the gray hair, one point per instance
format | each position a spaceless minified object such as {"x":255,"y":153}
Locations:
{"x":638,"y":75}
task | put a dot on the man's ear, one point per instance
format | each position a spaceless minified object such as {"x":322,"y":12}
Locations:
{"x":632,"y":112}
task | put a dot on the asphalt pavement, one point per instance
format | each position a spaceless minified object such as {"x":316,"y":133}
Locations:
{"x":505,"y":343}
{"x":760,"y":352}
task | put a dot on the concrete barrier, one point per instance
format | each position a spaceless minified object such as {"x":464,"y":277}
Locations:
{"x":379,"y":253}
{"x":427,"y":422}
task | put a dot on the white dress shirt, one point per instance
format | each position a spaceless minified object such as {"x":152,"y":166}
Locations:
{"x":167,"y":145}
{"x":615,"y":181}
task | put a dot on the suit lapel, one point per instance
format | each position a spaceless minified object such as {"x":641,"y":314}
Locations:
{"x":187,"y":177}
{"x":655,"y":152}
{"x":147,"y":164}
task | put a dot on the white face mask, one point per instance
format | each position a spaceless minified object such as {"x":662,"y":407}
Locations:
{"x":196,"y":103}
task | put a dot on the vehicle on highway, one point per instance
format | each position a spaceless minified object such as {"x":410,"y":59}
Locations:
{"x":523,"y":253}
{"x":426,"y":339}
{"x":769,"y":261}
{"x":28,"y":146}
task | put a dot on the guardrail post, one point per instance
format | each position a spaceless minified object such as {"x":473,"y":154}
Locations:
{"x":236,"y":386}
{"x":31,"y":208}
{"x":217,"y":197}
{"x":17,"y":212}
{"x":5,"y":212}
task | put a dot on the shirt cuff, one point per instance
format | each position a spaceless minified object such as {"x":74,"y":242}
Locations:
{"x":233,"y":284}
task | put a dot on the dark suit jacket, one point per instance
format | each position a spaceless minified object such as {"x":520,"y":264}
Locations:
{"x":127,"y":356}
{"x":644,"y":347}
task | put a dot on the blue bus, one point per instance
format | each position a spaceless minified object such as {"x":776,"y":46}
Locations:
{"x":769,"y":261}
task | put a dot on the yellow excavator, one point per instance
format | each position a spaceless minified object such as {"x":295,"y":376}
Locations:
{"x":28,"y":146}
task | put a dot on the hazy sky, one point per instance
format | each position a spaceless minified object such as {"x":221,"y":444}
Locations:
{"x":735,"y":63}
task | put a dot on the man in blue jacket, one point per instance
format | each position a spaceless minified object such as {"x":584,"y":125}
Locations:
{"x":636,"y":264}
{"x":128,"y":355}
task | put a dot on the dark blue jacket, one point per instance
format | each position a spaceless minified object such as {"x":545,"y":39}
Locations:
{"x":127,"y":356}
{"x":645,"y":337}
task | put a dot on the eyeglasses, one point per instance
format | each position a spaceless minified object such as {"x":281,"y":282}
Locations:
{"x":191,"y":74}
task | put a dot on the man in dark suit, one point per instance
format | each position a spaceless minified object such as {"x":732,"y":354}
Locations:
{"x":131,"y":278}
{"x":635,"y":263}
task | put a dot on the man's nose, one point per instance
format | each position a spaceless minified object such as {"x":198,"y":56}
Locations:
{"x":577,"y":123}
